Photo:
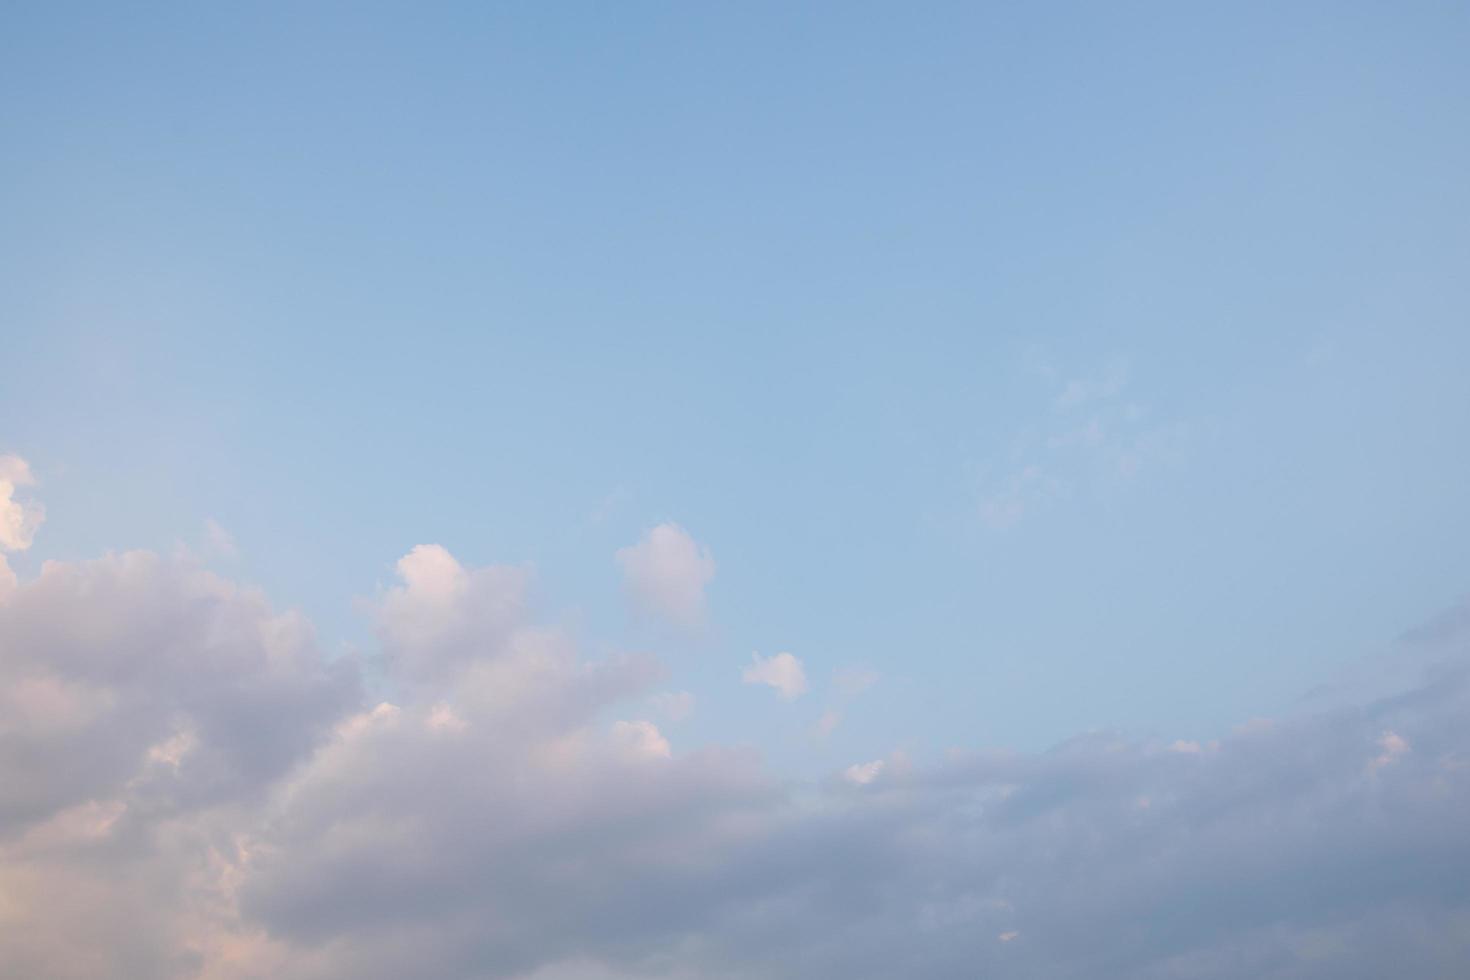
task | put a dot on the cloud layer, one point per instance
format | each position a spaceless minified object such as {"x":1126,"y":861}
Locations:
{"x":190,"y":787}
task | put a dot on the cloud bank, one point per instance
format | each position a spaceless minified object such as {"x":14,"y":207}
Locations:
{"x":190,"y":787}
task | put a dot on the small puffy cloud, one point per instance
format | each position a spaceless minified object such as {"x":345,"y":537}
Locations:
{"x":863,"y":773}
{"x":643,"y":738}
{"x":19,"y":519}
{"x":1392,"y":747}
{"x":666,"y":573}
{"x":781,"y":672}
{"x":1008,"y":935}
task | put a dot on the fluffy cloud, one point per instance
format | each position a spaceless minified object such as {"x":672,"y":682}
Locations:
{"x":189,"y":788}
{"x":18,"y":518}
{"x":109,"y":666}
{"x":666,"y":573}
{"x":146,"y":707}
{"x":781,"y":672}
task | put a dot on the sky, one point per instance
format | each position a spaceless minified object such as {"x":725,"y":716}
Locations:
{"x":604,"y":492}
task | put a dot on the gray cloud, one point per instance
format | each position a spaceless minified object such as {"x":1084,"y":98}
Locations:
{"x":147,"y":708}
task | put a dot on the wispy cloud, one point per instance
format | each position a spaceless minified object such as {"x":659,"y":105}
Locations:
{"x":1094,"y":431}
{"x":19,"y":518}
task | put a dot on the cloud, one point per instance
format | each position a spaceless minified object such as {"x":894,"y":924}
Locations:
{"x":643,"y":738}
{"x":191,"y":784}
{"x":666,"y":573}
{"x":147,"y":709}
{"x":1092,"y":437}
{"x":19,"y":519}
{"x":782,"y":672}
{"x":827,"y":723}
{"x":108,"y":662}
{"x":441,"y":615}
{"x":1392,"y":746}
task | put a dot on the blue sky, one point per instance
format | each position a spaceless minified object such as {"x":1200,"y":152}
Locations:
{"x":811,"y":283}
{"x":616,"y":491}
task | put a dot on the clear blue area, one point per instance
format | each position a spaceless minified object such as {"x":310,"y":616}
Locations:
{"x":810,"y":280}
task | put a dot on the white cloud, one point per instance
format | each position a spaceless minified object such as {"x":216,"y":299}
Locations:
{"x":666,"y":574}
{"x":1392,"y":747}
{"x":863,"y":773}
{"x":782,"y":672}
{"x":19,"y":519}
{"x":643,"y":738}
{"x":443,"y":615}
